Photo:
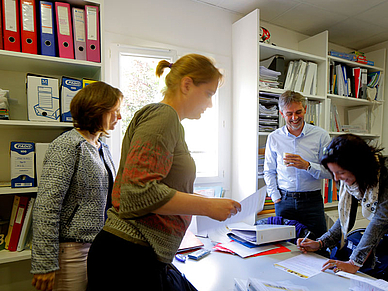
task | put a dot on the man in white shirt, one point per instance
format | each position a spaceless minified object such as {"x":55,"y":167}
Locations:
{"x":292,"y":169}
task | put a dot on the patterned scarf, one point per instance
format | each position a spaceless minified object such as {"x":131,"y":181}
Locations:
{"x":368,"y":204}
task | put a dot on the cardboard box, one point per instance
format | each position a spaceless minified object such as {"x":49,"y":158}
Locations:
{"x":22,"y":164}
{"x":43,"y":98}
{"x":69,"y":88}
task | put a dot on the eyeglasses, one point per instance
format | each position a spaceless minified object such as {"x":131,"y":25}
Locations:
{"x":327,"y":152}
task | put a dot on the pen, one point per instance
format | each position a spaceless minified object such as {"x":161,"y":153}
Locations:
{"x":305,"y":237}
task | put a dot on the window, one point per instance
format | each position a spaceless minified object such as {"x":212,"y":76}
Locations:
{"x":134,"y":74}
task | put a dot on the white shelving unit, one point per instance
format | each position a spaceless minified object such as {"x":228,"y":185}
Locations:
{"x":247,"y":53}
{"x":13,"y":69}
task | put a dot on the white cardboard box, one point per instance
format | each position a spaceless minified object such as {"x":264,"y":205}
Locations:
{"x":43,"y":98}
{"x":69,"y":88}
{"x":22,"y":164}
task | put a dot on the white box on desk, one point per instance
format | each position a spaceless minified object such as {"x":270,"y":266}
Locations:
{"x":265,"y":233}
{"x":22,"y":164}
{"x":43,"y":98}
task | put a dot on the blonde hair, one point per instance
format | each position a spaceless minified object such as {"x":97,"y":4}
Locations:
{"x":199,"y":68}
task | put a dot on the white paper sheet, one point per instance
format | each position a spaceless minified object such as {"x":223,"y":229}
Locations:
{"x":304,"y":266}
{"x":250,"y":206}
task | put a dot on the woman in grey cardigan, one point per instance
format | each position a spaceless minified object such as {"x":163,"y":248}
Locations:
{"x":77,"y":177}
{"x":363,"y":174}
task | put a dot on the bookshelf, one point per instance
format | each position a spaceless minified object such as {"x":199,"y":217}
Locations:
{"x":13,"y":69}
{"x":247,"y":52}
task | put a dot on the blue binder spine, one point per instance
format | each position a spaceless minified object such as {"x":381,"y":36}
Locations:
{"x":47,"y":35}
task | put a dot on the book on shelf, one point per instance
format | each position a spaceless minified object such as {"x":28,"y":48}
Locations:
{"x":15,"y":205}
{"x":335,"y":122}
{"x":18,"y":223}
{"x":330,"y":191}
{"x":266,"y":211}
{"x":24,"y":234}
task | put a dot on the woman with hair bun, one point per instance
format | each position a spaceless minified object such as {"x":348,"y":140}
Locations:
{"x":153,"y":196}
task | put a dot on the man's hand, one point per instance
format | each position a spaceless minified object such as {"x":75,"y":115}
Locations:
{"x":291,"y":160}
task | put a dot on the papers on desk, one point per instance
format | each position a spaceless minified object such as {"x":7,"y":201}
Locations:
{"x":359,"y":283}
{"x":254,"y":284}
{"x":303,"y":266}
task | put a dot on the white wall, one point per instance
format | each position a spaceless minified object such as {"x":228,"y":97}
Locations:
{"x":184,"y":25}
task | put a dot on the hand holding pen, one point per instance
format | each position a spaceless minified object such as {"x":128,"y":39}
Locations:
{"x":307,"y":245}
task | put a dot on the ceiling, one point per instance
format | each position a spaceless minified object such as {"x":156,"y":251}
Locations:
{"x":355,"y":24}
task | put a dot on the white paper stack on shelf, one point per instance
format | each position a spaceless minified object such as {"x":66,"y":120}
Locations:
{"x":268,"y":78}
{"x":268,"y":117}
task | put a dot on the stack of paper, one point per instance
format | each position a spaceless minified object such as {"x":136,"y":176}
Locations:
{"x":268,"y":78}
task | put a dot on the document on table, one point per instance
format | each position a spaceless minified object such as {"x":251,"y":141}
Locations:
{"x":304,"y":266}
{"x":359,"y":283}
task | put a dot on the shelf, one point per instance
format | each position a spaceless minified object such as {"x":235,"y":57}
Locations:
{"x":267,"y":51}
{"x":281,"y":91}
{"x":35,"y":124}
{"x":351,"y":101}
{"x":9,"y":257}
{"x":363,"y":135}
{"x":9,"y":190}
{"x":355,"y":64}
{"x":46,"y":65}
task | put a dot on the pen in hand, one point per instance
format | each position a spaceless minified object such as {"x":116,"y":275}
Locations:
{"x":305,"y":237}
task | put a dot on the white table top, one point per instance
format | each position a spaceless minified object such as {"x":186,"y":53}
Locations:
{"x":216,"y":272}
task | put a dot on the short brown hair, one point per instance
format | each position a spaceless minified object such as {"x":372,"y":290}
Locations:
{"x":91,"y":103}
{"x":199,"y":68}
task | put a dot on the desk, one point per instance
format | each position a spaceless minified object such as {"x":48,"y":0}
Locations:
{"x":216,"y":272}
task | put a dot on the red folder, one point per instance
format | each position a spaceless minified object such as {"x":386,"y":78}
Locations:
{"x":18,"y":223}
{"x":92,"y":34}
{"x":64,"y":30}
{"x":28,"y":34}
{"x":11,"y":31}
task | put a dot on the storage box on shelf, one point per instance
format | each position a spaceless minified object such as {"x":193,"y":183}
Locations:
{"x":14,"y":67}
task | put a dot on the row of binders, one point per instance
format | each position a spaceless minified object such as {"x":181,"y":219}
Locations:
{"x":330,"y":191}
{"x":302,"y":77}
{"x":19,"y":234}
{"x":353,"y":81}
{"x":51,"y":29}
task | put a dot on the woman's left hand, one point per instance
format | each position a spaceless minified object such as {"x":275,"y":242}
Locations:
{"x":337,"y":266}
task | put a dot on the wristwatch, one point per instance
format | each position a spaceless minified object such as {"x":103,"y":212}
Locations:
{"x":309,"y":167}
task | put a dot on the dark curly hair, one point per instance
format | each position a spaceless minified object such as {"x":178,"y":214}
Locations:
{"x":353,"y":154}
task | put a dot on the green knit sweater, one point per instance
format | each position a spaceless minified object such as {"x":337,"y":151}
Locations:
{"x":155,"y":163}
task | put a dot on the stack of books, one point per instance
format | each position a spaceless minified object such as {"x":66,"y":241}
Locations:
{"x":269,"y":206}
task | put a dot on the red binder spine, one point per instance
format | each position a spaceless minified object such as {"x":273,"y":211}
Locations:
{"x":18,"y":223}
{"x":11,"y":25}
{"x":64,"y":30}
{"x":28,"y":31}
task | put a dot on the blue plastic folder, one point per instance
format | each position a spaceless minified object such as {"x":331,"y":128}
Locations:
{"x":47,"y":36}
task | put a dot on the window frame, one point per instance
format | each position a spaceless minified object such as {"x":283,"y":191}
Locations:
{"x":224,"y":110}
